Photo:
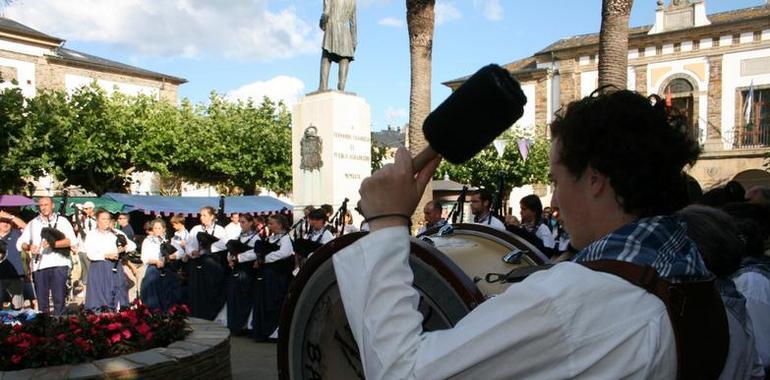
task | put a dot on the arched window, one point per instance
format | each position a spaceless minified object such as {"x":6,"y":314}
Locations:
{"x":678,"y":86}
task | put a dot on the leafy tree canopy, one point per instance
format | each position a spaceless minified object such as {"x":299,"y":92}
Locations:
{"x":483,"y":169}
{"x":96,"y":141}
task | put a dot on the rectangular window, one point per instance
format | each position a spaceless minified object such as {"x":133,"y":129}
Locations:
{"x":754,"y":120}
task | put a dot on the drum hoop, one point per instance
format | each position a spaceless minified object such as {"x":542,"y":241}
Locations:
{"x":506,"y":237}
{"x":464,"y":287}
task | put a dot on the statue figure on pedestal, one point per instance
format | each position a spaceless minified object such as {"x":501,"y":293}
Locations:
{"x":338,"y":22}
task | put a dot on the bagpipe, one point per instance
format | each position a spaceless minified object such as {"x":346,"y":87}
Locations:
{"x":205,"y":240}
{"x":304,"y":247}
{"x":338,"y":220}
{"x":235,"y":247}
{"x":458,"y":207}
{"x":121,"y":241}
{"x":166,"y":250}
{"x":262,"y":248}
{"x":51,"y":235}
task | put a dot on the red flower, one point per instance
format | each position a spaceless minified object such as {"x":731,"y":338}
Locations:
{"x":126,"y":334}
{"x":16,"y":359}
{"x":114,"y":326}
{"x":61,"y":336}
{"x":143,"y":329}
{"x":16,"y":328}
{"x":23,"y":345}
{"x":115,"y":338}
{"x":148,"y":336}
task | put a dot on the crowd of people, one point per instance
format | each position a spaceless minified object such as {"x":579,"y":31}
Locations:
{"x":237,"y":272}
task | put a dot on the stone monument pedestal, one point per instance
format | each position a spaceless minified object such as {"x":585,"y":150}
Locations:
{"x":331,"y":149}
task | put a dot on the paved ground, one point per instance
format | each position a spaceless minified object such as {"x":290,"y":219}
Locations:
{"x":252,"y":360}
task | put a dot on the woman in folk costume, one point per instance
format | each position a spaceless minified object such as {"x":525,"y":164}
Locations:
{"x":106,"y":279}
{"x":160,"y":285}
{"x":240,"y":287}
{"x":205,"y":286}
{"x":274,"y":265}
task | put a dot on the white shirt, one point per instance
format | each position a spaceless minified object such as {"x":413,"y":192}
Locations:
{"x":218,"y":232}
{"x":566,"y":322}
{"x":31,"y":233}
{"x":151,"y":249}
{"x":98,"y":243}
{"x":756,"y":288}
{"x":285,"y":248}
{"x":494,"y":223}
{"x":325,"y":235}
{"x":544,"y":234}
{"x":233,"y":231}
{"x":179,"y":236}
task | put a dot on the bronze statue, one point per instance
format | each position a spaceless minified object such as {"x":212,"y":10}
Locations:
{"x":338,"y":22}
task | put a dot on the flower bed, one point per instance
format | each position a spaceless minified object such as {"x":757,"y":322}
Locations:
{"x":50,"y":341}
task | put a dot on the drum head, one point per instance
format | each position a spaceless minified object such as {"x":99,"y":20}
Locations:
{"x":479,"y":250}
{"x":315,"y":340}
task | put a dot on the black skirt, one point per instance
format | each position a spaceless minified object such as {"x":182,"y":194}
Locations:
{"x":240,"y":296}
{"x":205,"y":288}
{"x":269,"y":294}
{"x":160,"y":292}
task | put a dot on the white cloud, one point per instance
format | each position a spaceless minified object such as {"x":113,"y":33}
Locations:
{"x":392,"y":22}
{"x":491,"y":9}
{"x":396,"y":116}
{"x":446,"y":12}
{"x":285,"y":88}
{"x":241,"y":29}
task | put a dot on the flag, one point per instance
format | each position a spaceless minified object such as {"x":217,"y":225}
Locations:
{"x":748,"y":106}
{"x":523,"y":148}
{"x":669,"y":100}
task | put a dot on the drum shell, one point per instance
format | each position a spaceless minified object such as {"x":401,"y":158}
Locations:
{"x":314,"y":338}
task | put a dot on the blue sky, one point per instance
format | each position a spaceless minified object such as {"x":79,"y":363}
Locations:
{"x":254,"y":47}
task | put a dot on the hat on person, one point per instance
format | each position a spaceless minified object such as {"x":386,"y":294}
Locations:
{"x":88,"y":204}
{"x":318,"y":213}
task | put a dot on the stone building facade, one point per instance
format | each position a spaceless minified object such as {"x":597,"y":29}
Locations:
{"x":707,"y":65}
{"x":36,"y":61}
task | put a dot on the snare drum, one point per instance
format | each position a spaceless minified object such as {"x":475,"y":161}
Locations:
{"x":315,"y":340}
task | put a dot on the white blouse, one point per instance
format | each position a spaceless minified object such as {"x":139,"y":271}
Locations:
{"x":99,"y":243}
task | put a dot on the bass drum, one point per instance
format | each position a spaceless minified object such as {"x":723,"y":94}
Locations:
{"x":484,"y":253}
{"x":315,"y":340}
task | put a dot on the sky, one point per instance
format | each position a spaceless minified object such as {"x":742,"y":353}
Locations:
{"x":255,"y":48}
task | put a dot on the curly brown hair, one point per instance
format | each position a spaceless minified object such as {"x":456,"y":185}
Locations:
{"x":635,"y":142}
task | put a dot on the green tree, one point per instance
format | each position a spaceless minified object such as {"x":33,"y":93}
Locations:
{"x":378,"y":154}
{"x":237,"y":145}
{"x":484,"y":169}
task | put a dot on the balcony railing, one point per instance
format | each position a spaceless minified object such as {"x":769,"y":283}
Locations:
{"x":753,"y":137}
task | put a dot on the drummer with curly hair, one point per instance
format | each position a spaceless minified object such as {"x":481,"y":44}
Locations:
{"x":617,"y":169}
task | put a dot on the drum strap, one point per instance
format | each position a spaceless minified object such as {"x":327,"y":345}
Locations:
{"x":696,"y":312}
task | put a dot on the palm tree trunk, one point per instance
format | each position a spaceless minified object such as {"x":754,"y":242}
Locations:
{"x":420,"y":22}
{"x":613,"y":43}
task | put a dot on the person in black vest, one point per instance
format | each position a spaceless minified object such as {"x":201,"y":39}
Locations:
{"x":274,"y":266}
{"x":205,"y":288}
{"x":614,"y":311}
{"x":240,"y":287}
{"x":11,"y":266}
{"x":160,"y":285}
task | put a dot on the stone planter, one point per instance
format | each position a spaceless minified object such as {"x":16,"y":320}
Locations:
{"x":204,"y":354}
